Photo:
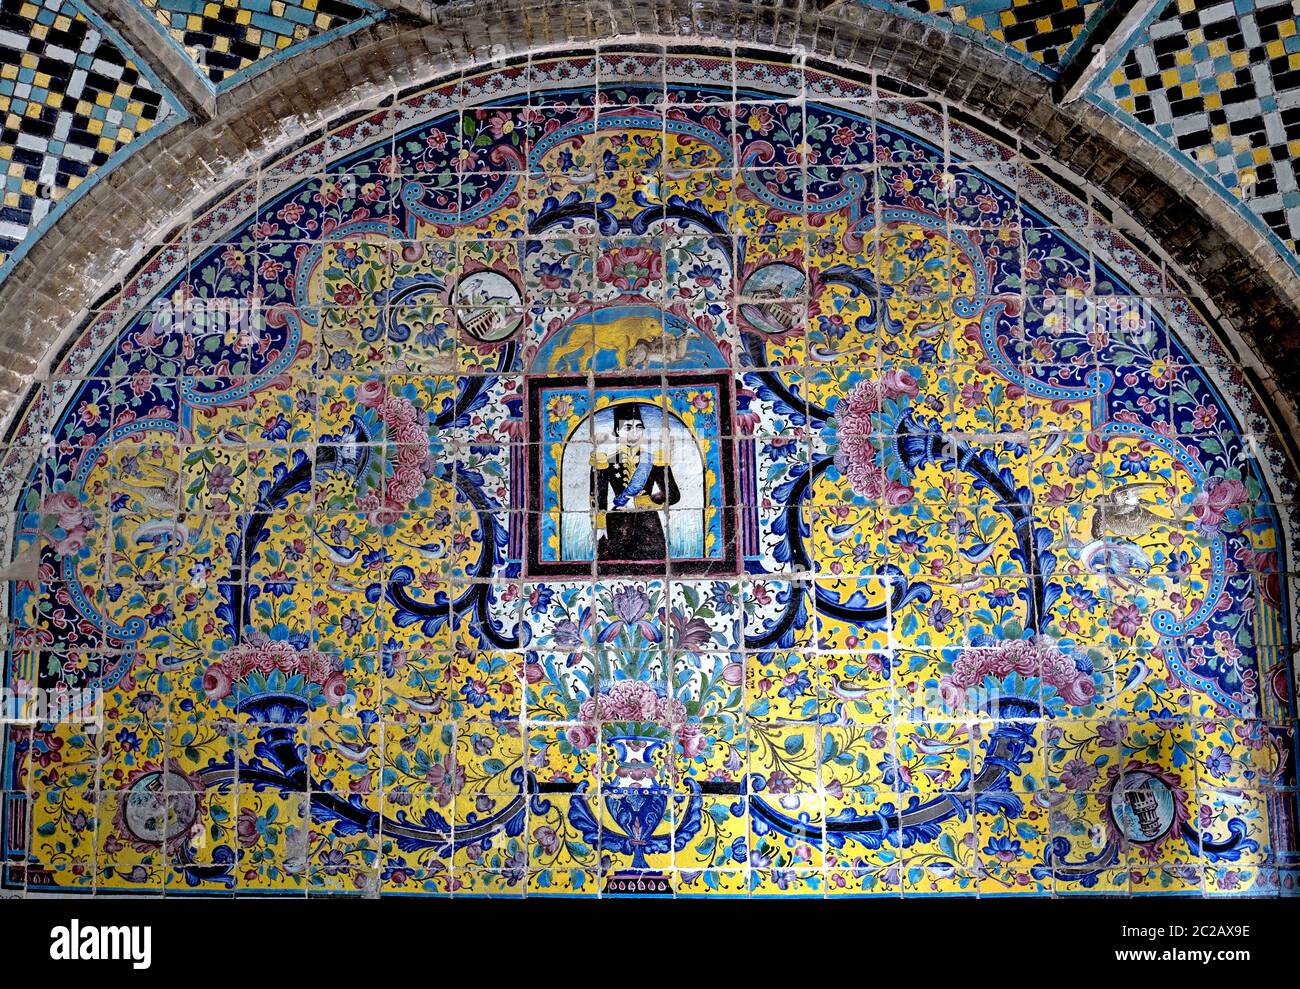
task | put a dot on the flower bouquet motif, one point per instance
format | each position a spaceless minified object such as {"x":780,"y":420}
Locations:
{"x":1022,"y":669}
{"x":856,"y":455}
{"x":639,"y":718}
{"x":275,"y":679}
{"x":408,"y":436}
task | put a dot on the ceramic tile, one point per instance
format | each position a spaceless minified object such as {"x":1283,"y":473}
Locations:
{"x":72,"y":97}
{"x":682,"y":506}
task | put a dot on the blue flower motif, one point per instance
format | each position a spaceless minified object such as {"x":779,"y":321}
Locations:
{"x":1081,"y":597}
{"x":890,"y":770}
{"x":940,"y":615}
{"x":723,"y":598}
{"x":278,"y":588}
{"x":351,"y":623}
{"x":556,"y":270}
{"x":276,"y":428}
{"x":1001,"y":597}
{"x":128,"y":740}
{"x":704,"y":275}
{"x":910,"y":542}
{"x":1179,"y":564}
{"x":1081,"y":463}
{"x":1218,"y":762}
{"x":540,"y":599}
{"x":388,"y":656}
{"x":475,"y":694}
{"x":433,"y":335}
{"x":1002,"y":848}
{"x":375,"y":558}
{"x":1135,"y":462}
{"x":795,"y":685}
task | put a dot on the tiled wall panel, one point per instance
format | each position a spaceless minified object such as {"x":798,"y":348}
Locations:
{"x":692,"y":482}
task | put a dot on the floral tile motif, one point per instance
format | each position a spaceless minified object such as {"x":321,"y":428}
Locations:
{"x":610,"y":488}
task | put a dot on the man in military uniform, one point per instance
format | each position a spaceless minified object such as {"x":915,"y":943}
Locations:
{"x":629,"y":490}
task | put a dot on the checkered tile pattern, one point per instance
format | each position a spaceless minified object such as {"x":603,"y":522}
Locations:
{"x":1221,"y":83}
{"x":225,"y":36}
{"x":69,"y":100}
{"x":1042,"y":29}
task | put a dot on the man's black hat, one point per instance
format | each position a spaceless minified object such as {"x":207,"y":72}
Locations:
{"x":627,"y":412}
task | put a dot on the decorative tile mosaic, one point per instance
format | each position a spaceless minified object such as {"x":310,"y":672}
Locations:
{"x":226,"y":39}
{"x":1046,"y":34}
{"x":695,"y":483}
{"x":73,"y":98}
{"x":1221,"y":85}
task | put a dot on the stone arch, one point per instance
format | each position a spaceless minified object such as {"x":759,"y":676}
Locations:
{"x":1249,"y":285}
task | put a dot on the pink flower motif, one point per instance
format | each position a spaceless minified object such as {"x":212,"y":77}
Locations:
{"x":286,"y":660}
{"x":845,"y":137}
{"x":290,"y":212}
{"x":71,"y":544}
{"x":408,"y":435}
{"x":1220,"y":495}
{"x":335,"y":690}
{"x":260,"y":654}
{"x":501,"y":125}
{"x":797,"y":155}
{"x":691,"y":634}
{"x":856,"y":456}
{"x":234,"y":259}
{"x":759,"y":119}
{"x":68,"y":510}
{"x":1038,"y":657}
{"x":1078,"y":775}
{"x":246,"y":827}
{"x":1126,"y":619}
{"x":691,"y":740}
{"x":581,"y":736}
{"x":329,"y":193}
{"x":895,"y":383}
{"x":317,"y":666}
{"x":216,"y":682}
{"x":972,"y":394}
{"x":632,"y":700}
{"x":630,"y":269}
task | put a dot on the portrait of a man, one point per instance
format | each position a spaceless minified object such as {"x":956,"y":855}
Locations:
{"x":629,"y":491}
{"x":635,"y":477}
